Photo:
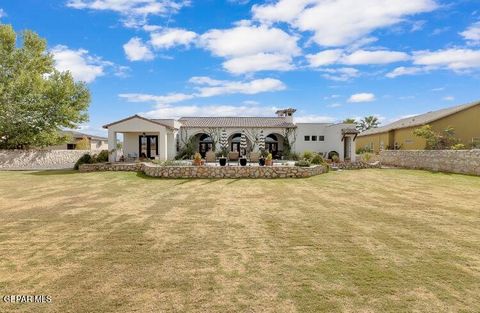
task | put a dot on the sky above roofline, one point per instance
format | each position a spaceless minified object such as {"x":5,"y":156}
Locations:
{"x":330,"y":60}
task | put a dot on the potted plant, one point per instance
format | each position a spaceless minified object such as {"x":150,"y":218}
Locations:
{"x":261,"y":161}
{"x":269,"y":160}
{"x":335,"y":158}
{"x":243,"y":161}
{"x":197,"y":159}
{"x":223,"y":161}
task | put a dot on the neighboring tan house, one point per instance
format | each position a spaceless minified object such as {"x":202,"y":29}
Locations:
{"x":96,"y":142}
{"x":465,"y":120}
{"x":163,"y":138}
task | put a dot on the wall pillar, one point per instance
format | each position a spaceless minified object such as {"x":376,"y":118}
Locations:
{"x":112,"y":146}
{"x":163,"y":145}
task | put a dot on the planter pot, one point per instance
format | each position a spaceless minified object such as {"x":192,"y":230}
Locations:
{"x":197,"y":162}
{"x":243,"y":162}
{"x":261,"y":162}
{"x":268,"y":162}
{"x":223,"y":161}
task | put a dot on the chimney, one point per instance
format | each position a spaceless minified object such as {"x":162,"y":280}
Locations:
{"x":287,"y":114}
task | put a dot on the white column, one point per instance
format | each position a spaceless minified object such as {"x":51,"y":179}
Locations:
{"x":353,"y":149}
{"x":112,"y":146}
{"x":163,"y":145}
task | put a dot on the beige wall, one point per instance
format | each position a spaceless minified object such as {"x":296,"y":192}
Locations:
{"x":465,"y":123}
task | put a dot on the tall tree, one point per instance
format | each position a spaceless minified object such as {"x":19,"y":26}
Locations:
{"x":36,"y":100}
{"x":368,"y":122}
{"x":349,"y":121}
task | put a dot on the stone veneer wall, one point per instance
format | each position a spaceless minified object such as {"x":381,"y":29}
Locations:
{"x":209,"y":171}
{"x":452,"y":161}
{"x":40,"y":159}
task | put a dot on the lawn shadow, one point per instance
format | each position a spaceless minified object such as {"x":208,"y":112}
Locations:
{"x":53,"y":172}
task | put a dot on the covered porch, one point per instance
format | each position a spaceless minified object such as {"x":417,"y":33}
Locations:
{"x":142,"y":138}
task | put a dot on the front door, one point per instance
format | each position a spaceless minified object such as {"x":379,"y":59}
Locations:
{"x":236,"y":147}
{"x":204,"y":147}
{"x":148,"y":146}
{"x":272,"y":147}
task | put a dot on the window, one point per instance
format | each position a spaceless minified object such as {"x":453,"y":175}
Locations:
{"x":314,"y":138}
{"x":307,"y":138}
{"x":71,"y":146}
{"x":321,"y":138}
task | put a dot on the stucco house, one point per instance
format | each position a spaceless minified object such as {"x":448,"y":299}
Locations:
{"x":465,"y":120}
{"x":96,"y":143}
{"x":163,"y":138}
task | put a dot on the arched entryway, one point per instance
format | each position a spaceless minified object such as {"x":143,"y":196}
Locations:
{"x":235,"y":140}
{"x":274,"y":144}
{"x":205,"y":144}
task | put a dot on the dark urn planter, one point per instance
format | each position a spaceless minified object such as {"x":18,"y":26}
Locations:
{"x":243,"y":161}
{"x":223,"y":161}
{"x":261,"y":162}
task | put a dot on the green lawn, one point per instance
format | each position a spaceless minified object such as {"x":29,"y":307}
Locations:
{"x":352,"y":241}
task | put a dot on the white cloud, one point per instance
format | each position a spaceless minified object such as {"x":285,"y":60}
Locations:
{"x":2,"y":13}
{"x":136,"y":50}
{"x":340,"y":22}
{"x":453,"y":59}
{"x":166,"y":99}
{"x":171,"y":37}
{"x":250,"y":48}
{"x":362,"y":97}
{"x":207,"y":87}
{"x":249,"y":40}
{"x":259,"y":62}
{"x":334,"y":105}
{"x":362,"y":57}
{"x":326,"y":57}
{"x":134,"y":12}
{"x":83,"y":66}
{"x":402,"y":71}
{"x":241,"y":87}
{"x":359,"y":57}
{"x":209,"y":110}
{"x":314,"y":119}
{"x":340,"y":74}
{"x":448,"y":98}
{"x":472,"y":34}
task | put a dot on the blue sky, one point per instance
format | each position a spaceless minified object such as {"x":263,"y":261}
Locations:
{"x":328,"y":59}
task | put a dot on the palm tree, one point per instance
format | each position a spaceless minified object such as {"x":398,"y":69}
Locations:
{"x":368,"y":122}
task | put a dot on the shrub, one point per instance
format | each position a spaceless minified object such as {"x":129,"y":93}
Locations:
{"x":363,"y":150}
{"x":102,"y":157}
{"x":308,"y":155}
{"x":458,"y":146}
{"x":197,"y":156}
{"x":269,"y":156}
{"x":317,"y":159}
{"x":293,"y":156}
{"x":84,"y":159}
{"x":366,"y":156}
{"x":335,"y":158}
{"x":302,"y":163}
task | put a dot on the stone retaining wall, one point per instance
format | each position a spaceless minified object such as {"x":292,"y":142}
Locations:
{"x":40,"y":159}
{"x":209,"y":171}
{"x":358,"y":165}
{"x":452,"y":161}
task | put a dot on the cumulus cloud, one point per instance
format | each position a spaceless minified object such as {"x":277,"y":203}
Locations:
{"x":314,"y":119}
{"x":472,"y":34}
{"x":83,"y":66}
{"x":362,"y":97}
{"x":171,"y":37}
{"x":2,"y":13}
{"x":359,"y":57}
{"x":136,"y":50}
{"x":134,"y":12}
{"x":341,"y":22}
{"x":209,"y":110}
{"x":259,"y":62}
{"x":455,"y":59}
{"x":206,"y":87}
{"x":250,"y":48}
{"x":402,"y":71}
